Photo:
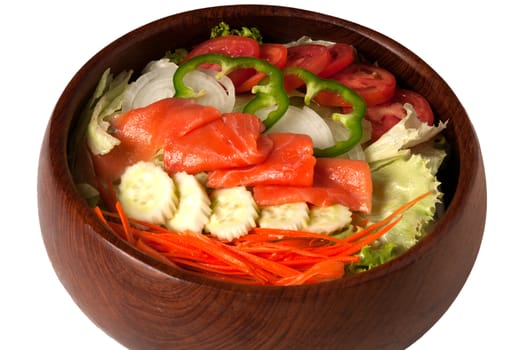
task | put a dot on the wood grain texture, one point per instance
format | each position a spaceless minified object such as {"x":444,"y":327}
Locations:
{"x":144,"y":304}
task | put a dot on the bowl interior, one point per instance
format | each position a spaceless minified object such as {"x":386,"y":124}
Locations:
{"x":278,"y":24}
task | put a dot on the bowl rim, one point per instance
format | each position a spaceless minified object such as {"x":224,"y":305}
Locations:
{"x":412,"y":255}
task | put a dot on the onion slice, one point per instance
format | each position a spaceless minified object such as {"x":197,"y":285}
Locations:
{"x":305,"y":121}
{"x":218,"y":93}
{"x":153,"y":85}
{"x":156,"y":83}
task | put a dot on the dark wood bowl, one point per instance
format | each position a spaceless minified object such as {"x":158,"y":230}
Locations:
{"x":149,"y":305}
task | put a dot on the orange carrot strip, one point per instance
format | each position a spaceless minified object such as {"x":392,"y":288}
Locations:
{"x":276,"y":247}
{"x":303,"y":263}
{"x":126,"y":225}
{"x":242,"y":279}
{"x":322,"y":271}
{"x":358,"y":245}
{"x":274,"y":233}
{"x":115,"y":228}
{"x":268,"y":265}
{"x":387,"y":219}
{"x":100,"y":215}
{"x":198,"y":245}
{"x":241,"y":261}
{"x":219,"y":251}
{"x":139,"y":223}
{"x":173,"y":244}
{"x":145,"y":248}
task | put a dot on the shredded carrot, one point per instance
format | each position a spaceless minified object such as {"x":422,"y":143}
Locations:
{"x":276,"y":233}
{"x":358,"y":245}
{"x":389,"y":218}
{"x":141,"y":245}
{"x":100,"y":215}
{"x":125,"y":222}
{"x":321,"y":271}
{"x":264,"y":256}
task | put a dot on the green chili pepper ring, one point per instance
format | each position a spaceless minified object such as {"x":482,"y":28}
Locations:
{"x":270,"y":93}
{"x":352,"y":121}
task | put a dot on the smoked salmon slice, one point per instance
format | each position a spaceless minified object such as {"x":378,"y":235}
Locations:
{"x":144,"y":131}
{"x":290,"y":162}
{"x":336,"y":180}
{"x":234,"y":140}
{"x":169,"y":118}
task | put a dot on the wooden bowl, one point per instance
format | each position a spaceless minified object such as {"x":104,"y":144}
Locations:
{"x":148,"y":305}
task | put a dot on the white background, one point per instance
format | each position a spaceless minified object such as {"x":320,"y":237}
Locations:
{"x":477,"y":47}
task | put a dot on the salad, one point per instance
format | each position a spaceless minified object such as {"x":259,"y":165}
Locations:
{"x":262,"y":163}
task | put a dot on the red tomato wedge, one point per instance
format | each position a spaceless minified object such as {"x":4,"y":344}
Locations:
{"x":245,"y":79}
{"x":374,"y":84}
{"x":342,"y":55}
{"x":230,"y":45}
{"x":276,"y":54}
{"x":419,"y":102}
{"x":291,"y":162}
{"x":384,"y":116}
{"x":143,"y":131}
{"x":337,"y":180}
{"x":234,"y":140}
{"x":313,"y":57}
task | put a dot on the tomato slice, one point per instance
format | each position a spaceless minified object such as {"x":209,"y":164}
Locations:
{"x":342,"y":55}
{"x":313,"y":57}
{"x":245,"y":79}
{"x":374,"y":84}
{"x":419,"y":102}
{"x":276,"y":54}
{"x":230,"y":45}
{"x":384,"y":116}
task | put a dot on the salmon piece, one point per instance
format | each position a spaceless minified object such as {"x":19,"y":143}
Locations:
{"x":291,"y":162}
{"x":351,"y":176}
{"x":151,"y":126}
{"x":234,"y":140}
{"x":336,"y":181}
{"x":144,"y":131}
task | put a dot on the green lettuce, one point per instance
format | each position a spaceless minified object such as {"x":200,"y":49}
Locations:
{"x":399,"y":140}
{"x":396,"y":183}
{"x":105,"y":102}
{"x":404,"y":162}
{"x":371,"y":257}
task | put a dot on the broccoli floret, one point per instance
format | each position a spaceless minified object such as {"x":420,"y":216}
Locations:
{"x":176,"y":56}
{"x":223,"y":29}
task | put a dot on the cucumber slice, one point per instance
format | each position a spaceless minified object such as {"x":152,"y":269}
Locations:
{"x":234,"y":213}
{"x":147,"y":193}
{"x":328,"y":219}
{"x":193,"y":210}
{"x":289,"y":216}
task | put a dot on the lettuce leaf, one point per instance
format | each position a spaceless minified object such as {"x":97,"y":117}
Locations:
{"x":105,"y":102}
{"x":397,"y":182}
{"x":397,"y":141}
{"x":371,"y":257}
